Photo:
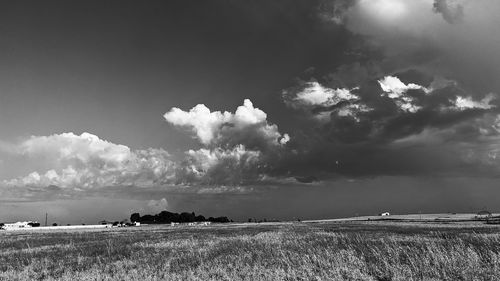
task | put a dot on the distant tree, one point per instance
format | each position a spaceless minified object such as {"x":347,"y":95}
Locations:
{"x":169,"y":217}
{"x":200,"y":218}
{"x":34,"y":224}
{"x":187,"y":217}
{"x":148,"y":219}
{"x":250,"y":220}
{"x":1,"y":224}
{"x":135,"y":217}
{"x":219,"y":219}
{"x":54,"y":224}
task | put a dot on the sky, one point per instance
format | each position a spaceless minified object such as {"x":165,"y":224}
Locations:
{"x":248,"y":109}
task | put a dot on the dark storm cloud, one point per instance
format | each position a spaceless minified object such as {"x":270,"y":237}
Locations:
{"x":426,"y":111}
{"x":400,"y":109}
{"x":410,"y":35}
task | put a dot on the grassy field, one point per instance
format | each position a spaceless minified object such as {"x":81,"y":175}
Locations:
{"x":298,"y":251}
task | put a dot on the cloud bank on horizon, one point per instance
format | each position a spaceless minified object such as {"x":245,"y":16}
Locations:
{"x":237,"y":147}
{"x":419,"y":107}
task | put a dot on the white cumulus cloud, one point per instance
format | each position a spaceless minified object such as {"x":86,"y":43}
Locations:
{"x":237,"y":146}
{"x":203,"y":122}
{"x":86,"y":161}
{"x":315,"y":94}
{"x":322,"y":101}
{"x":462,"y":103}
{"x":247,"y":125}
{"x":396,"y":90}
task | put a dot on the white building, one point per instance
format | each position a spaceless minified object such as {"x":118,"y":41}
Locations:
{"x":17,"y":225}
{"x":385,"y":214}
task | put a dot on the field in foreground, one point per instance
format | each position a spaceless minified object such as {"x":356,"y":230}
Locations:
{"x":300,"y":251}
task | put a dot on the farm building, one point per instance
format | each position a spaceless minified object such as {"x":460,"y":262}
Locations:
{"x":385,"y":214}
{"x":483,"y":215}
{"x":20,"y":224}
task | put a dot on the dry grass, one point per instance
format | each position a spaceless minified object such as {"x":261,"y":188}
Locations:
{"x":267,"y":252}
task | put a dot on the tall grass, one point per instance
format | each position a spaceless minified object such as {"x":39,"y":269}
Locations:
{"x":281,"y":252}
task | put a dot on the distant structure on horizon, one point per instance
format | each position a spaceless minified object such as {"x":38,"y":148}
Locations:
{"x":483,"y":214}
{"x":20,"y":224}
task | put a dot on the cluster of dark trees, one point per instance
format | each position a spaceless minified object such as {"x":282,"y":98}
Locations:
{"x":169,"y":217}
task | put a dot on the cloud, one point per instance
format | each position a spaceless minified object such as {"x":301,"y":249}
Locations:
{"x":334,"y":11}
{"x":200,"y":120}
{"x":315,"y":94}
{"x":237,"y":148}
{"x":405,"y":132}
{"x":221,"y":166}
{"x":285,"y":139}
{"x":344,"y":145}
{"x":306,"y":179}
{"x":413,"y":34}
{"x":247,"y":126}
{"x":320,"y":101}
{"x":85,"y":161}
{"x":463,"y":103}
{"x":395,"y":89}
{"x":157,"y":206}
{"x":451,"y":10}
{"x":383,"y":108}
{"x":68,"y":148}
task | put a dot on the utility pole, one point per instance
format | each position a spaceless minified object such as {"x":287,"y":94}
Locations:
{"x":45,"y":219}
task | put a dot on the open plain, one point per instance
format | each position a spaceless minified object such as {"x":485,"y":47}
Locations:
{"x":349,"y":250}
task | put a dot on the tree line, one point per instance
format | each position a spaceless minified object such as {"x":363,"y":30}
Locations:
{"x":169,"y":217}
